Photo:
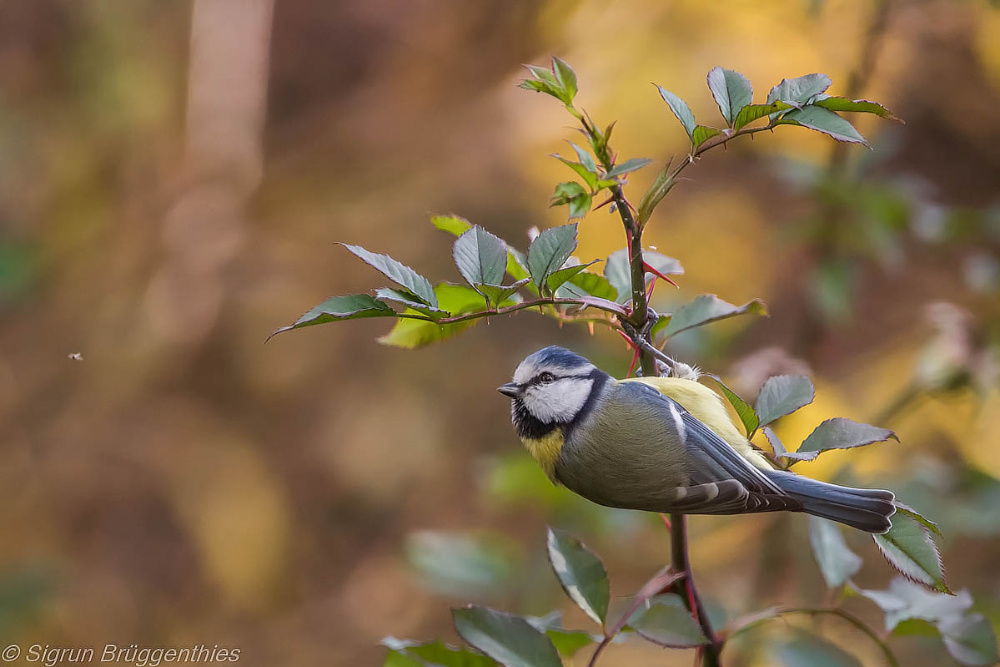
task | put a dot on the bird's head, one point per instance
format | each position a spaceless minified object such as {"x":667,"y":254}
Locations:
{"x":549,"y":388}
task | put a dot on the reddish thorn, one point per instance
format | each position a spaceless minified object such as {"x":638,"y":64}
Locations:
{"x":650,"y":269}
{"x":652,"y":284}
{"x":606,"y":202}
{"x":666,"y":520}
{"x":635,"y":359}
{"x":590,"y":326}
{"x":628,"y":340}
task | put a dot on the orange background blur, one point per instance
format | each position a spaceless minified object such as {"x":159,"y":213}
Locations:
{"x":173,"y":177}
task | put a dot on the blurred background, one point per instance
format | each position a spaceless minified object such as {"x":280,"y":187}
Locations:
{"x":173,"y":178}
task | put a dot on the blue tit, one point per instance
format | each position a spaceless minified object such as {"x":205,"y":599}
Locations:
{"x":661,"y":445}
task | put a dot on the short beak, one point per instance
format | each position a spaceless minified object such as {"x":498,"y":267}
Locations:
{"x":511,"y":389}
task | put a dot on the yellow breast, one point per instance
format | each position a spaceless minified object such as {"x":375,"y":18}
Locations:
{"x":546,"y":450}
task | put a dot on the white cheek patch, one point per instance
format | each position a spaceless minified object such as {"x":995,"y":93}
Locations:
{"x":558,"y":401}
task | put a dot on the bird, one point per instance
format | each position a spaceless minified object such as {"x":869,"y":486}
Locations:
{"x":662,"y":444}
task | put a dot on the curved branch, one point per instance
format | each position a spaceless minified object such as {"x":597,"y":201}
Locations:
{"x":518,"y":306}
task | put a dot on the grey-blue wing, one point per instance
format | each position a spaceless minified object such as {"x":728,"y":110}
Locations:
{"x":639,"y":449}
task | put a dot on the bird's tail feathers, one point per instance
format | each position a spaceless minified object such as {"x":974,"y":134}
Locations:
{"x":865,"y":509}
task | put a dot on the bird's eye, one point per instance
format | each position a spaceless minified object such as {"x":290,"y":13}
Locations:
{"x":545,"y":378}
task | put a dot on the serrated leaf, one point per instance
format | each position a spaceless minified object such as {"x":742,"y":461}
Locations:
{"x":508,"y":639}
{"x":579,"y":206}
{"x":836,"y":561}
{"x":481,"y":258}
{"x":806,"y":649}
{"x":453,"y":224}
{"x":743,"y":409}
{"x":566,"y":78}
{"x":585,"y":158}
{"x":914,"y":514}
{"x":433,"y":654}
{"x":557,"y":278}
{"x":825,"y":121}
{"x":628,"y":166}
{"x":457,"y":299}
{"x":545,"y":75}
{"x":797,"y":91}
{"x":753,"y":112}
{"x":708,"y":308}
{"x":397,"y":272}
{"x":731,"y":90}
{"x":782,"y":395}
{"x":839,"y":433}
{"x":703,"y":133}
{"x":680,"y":109}
{"x":859,"y":106}
{"x":497,"y":295}
{"x":410,"y":300}
{"x":581,"y":574}
{"x":590,"y":284}
{"x":589,"y":177}
{"x":772,"y":439}
{"x":349,"y":307}
{"x":669,"y":626}
{"x":517,"y":264}
{"x":970,"y":640}
{"x":549,"y":251}
{"x":905,"y":600}
{"x":910,"y":550}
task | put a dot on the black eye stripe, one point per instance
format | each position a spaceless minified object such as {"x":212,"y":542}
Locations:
{"x":538,"y":379}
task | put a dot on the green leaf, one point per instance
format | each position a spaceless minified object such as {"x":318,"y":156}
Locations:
{"x":459,"y":564}
{"x":590,"y":284}
{"x":859,"y":106}
{"x":797,"y":92}
{"x":753,"y":112}
{"x":569,"y":642}
{"x":566,"y":78}
{"x":669,"y":626}
{"x":497,"y":295}
{"x":581,"y":574}
{"x":910,"y":550}
{"x":743,"y":409}
{"x":839,"y":433}
{"x":731,"y":90}
{"x":575,"y":195}
{"x":628,"y":166}
{"x":585,"y":158}
{"x":557,"y":278}
{"x":410,"y":300}
{"x":822,"y":120}
{"x":549,"y":251}
{"x":703,"y":133}
{"x":432,"y":654}
{"x":708,"y":308}
{"x":836,"y":561}
{"x":397,"y":272}
{"x":544,"y":75}
{"x":508,"y":639}
{"x":772,"y":439}
{"x":914,"y":514}
{"x":806,"y":649}
{"x":453,"y":224}
{"x":589,"y":177}
{"x":336,"y":308}
{"x":970,"y":640}
{"x":782,"y":395}
{"x":904,"y":600}
{"x":680,"y":109}
{"x":481,"y":257}
{"x":517,"y":264}
{"x":456,"y":299}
